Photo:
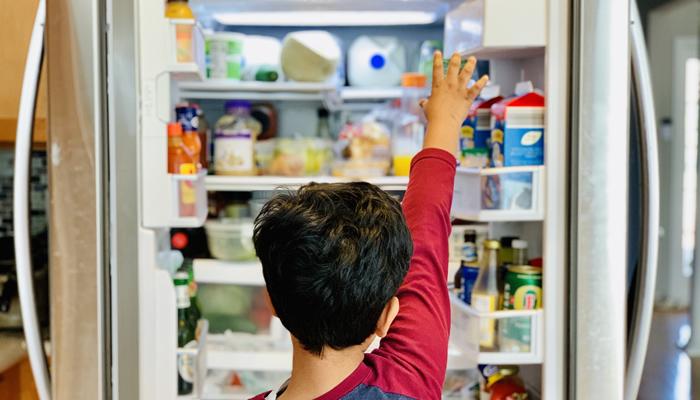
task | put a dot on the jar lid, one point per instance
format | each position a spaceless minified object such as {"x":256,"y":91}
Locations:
{"x":237,"y":104}
{"x":413,"y":79}
{"x":519,"y":244}
{"x":492,"y":244}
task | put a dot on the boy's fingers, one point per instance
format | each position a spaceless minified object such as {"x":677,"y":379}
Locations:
{"x":453,"y":68}
{"x":437,"y":68}
{"x":477,"y":86}
{"x":466,"y":73}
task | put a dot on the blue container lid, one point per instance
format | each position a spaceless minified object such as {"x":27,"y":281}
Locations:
{"x":231,"y":104}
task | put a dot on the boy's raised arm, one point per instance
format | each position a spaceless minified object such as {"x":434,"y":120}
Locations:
{"x":419,"y":335}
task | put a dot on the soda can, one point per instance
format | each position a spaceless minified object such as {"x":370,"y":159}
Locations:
{"x":522,"y":291}
{"x":468,"y":276}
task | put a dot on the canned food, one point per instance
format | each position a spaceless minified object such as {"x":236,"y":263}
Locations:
{"x":523,"y":288}
{"x":522,"y":291}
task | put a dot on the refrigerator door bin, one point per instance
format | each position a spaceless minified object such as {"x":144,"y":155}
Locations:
{"x":499,"y":194}
{"x":199,"y":353}
{"x":512,"y":336}
{"x":186,"y":58}
{"x":188,"y":200}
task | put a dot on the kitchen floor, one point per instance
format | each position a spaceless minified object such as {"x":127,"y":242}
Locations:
{"x":669,"y":374}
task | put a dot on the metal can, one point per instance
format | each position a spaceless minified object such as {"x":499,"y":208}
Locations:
{"x":522,"y":291}
{"x":468,"y":275}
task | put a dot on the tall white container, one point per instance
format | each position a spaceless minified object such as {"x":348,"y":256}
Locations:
{"x":376,"y":61}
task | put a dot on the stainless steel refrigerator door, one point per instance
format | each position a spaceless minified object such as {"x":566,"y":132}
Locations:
{"x":80,"y":356}
{"x":601,"y":76}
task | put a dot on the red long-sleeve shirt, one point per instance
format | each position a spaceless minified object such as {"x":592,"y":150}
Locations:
{"x":411,"y":361}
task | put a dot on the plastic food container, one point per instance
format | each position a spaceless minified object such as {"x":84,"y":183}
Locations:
{"x":224,"y":53}
{"x":231,"y":239}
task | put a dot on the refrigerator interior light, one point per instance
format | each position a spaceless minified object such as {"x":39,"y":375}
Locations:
{"x":326,"y":18}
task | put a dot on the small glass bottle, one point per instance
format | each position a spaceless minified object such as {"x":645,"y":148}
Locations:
{"x":485,"y":294}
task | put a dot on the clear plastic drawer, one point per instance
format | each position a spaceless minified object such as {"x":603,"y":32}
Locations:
{"x":499,"y":194}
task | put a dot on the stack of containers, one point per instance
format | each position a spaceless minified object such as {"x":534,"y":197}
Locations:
{"x":517,"y":139}
{"x":476,"y":134}
{"x":517,"y":135}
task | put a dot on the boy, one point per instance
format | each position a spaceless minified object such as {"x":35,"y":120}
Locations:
{"x":336,"y":264}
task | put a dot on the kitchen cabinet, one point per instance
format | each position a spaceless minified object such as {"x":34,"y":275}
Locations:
{"x":15,"y":32}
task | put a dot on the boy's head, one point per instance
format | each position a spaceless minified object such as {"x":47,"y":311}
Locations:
{"x":333,"y":257}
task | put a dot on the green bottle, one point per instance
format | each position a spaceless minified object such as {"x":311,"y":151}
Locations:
{"x":195,"y":312}
{"x":185,"y":335}
{"x":267,"y":74}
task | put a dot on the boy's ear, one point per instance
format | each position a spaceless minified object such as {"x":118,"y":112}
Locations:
{"x":268,"y":301}
{"x":391,"y":310}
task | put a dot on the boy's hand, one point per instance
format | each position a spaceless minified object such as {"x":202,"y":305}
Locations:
{"x":449,"y":101}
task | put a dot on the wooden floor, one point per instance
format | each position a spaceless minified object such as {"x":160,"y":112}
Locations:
{"x":669,"y":374}
{"x":17,"y":383}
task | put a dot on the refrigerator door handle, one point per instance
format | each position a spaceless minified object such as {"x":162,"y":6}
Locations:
{"x":20,"y":208}
{"x":643,"y":309}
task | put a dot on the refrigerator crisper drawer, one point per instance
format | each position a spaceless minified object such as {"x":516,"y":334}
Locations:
{"x":513,"y":336}
{"x":188,"y":200}
{"x":499,"y":194}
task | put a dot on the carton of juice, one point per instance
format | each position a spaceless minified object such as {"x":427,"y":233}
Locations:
{"x":517,"y":134}
{"x":476,"y":134}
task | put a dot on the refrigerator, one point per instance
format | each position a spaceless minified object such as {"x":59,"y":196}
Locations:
{"x":114,"y":80}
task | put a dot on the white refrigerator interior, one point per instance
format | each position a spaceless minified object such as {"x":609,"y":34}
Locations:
{"x":538,"y":55}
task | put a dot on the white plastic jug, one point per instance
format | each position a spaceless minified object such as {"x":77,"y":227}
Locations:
{"x":376,"y":61}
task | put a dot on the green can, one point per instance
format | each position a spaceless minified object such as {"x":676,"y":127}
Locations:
{"x":522,"y":291}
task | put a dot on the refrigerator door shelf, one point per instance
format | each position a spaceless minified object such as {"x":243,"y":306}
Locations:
{"x":499,"y":194}
{"x":186,"y":58}
{"x":228,"y":272}
{"x":521,"y":330}
{"x":256,"y":183}
{"x":200,"y":360}
{"x":478,"y":28}
{"x":188,"y":200}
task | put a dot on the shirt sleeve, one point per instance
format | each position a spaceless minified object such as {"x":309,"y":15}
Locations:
{"x":418,"y":337}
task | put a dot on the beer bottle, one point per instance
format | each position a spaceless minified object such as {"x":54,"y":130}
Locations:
{"x":195,"y":313}
{"x":485,"y":294}
{"x":185,"y":335}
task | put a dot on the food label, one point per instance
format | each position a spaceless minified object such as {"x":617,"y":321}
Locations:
{"x":186,"y":363}
{"x":187,"y":193}
{"x":182,"y":296}
{"x":486,"y":303}
{"x":233,"y":152}
{"x":523,"y":146}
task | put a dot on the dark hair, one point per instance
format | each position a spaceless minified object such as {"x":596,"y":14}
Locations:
{"x":333,"y":255}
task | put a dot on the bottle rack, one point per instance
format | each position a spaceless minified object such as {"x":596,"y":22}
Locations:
{"x":465,"y":335}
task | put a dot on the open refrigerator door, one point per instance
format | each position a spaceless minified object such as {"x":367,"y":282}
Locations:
{"x":297,"y":128}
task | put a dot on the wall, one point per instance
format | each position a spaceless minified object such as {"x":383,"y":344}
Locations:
{"x":665,"y":23}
